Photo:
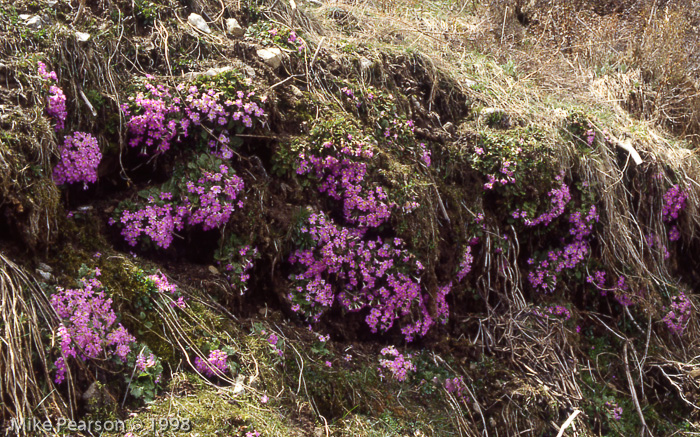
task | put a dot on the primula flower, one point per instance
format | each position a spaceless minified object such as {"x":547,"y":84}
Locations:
{"x":88,"y":328}
{"x":376,"y":275}
{"x":80,"y":156}
{"x":215,"y":365}
{"x":674,"y":202}
{"x":399,"y":365}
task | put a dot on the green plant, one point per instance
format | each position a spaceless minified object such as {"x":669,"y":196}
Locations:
{"x":146,"y":373}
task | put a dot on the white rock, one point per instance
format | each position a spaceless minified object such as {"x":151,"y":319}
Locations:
{"x":238,"y":388}
{"x":24,"y":17}
{"x":82,"y":36}
{"x":234,"y":28}
{"x":34,"y":22}
{"x":44,"y":267}
{"x":272,"y":56}
{"x":245,"y":69}
{"x":365,"y":64}
{"x":296,"y":91}
{"x":214,"y":71}
{"x":46,"y":276}
{"x":197,"y":21}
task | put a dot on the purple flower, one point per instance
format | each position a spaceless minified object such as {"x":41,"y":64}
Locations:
{"x":80,"y":156}
{"x":215,"y":365}
{"x":87,"y":329}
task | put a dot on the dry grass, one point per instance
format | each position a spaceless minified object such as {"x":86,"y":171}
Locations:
{"x":25,"y":384}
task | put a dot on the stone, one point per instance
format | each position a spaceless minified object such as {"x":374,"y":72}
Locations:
{"x":34,"y":22}
{"x":272,"y":57}
{"x":296,"y":91}
{"x":365,"y":64}
{"x":239,"y":387}
{"x":97,"y":397}
{"x":46,"y":276}
{"x":234,"y":28}
{"x":82,"y":36}
{"x":197,"y":21}
{"x":213,"y":270}
{"x":44,"y":267}
{"x":247,"y":71}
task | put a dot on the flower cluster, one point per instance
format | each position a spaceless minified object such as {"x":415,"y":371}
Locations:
{"x":597,"y":279}
{"x":614,"y":410}
{"x":457,"y":387}
{"x":158,"y":222}
{"x":507,"y":175}
{"x":359,"y":274}
{"x":424,"y":154}
{"x":87,"y":329}
{"x":80,"y":156}
{"x":556,"y":311}
{"x":237,"y":263}
{"x":397,"y":363}
{"x":159,"y":115}
{"x":163,"y":285}
{"x":674,"y":202}
{"x":214,"y":365}
{"x":267,"y":34}
{"x":679,"y":314}
{"x":46,"y":75}
{"x":209,"y":202}
{"x":466,"y":265}
{"x":56,"y":107}
{"x":590,"y":137}
{"x":559,"y":197}
{"x":350,"y":94}
{"x":144,"y":363}
{"x":295,"y":40}
{"x":343,"y":179}
{"x":213,"y":198}
{"x":620,"y":290}
{"x":546,"y":274}
{"x":274,"y":342}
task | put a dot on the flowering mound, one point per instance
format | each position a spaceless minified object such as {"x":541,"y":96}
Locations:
{"x":343,"y":179}
{"x":359,"y":274}
{"x":207,"y":194}
{"x":160,"y":115}
{"x":679,"y":314}
{"x":56,"y":105}
{"x":215,"y":365}
{"x":546,"y":275}
{"x":87,"y":327}
{"x":395,"y":362}
{"x":80,"y":156}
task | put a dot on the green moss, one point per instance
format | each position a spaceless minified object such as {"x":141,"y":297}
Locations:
{"x":209,"y":412}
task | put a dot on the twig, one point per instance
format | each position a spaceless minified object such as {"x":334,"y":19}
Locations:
{"x":568,"y":422}
{"x":87,"y":102}
{"x":633,"y":392}
{"x":318,"y":48}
